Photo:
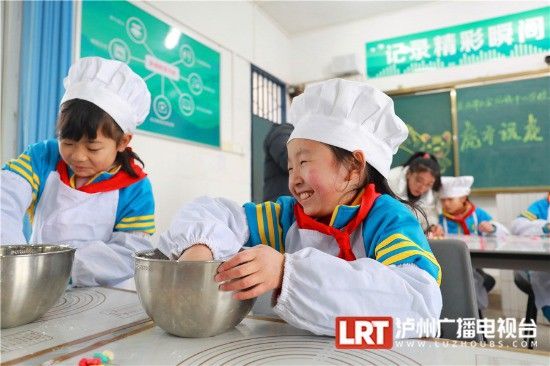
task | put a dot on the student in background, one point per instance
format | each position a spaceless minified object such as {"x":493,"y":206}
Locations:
{"x":276,"y":160}
{"x":536,"y":221}
{"x":418,"y":181}
{"x":461,"y":216}
{"x":84,"y":188}
{"x":342,"y":244}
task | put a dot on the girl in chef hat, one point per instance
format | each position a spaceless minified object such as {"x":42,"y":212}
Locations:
{"x":461,"y":216}
{"x":84,"y":188}
{"x":342,"y":244}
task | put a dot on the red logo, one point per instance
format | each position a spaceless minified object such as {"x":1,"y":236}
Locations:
{"x":364,"y":332}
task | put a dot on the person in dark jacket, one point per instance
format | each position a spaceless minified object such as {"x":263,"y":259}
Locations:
{"x":276,"y":164}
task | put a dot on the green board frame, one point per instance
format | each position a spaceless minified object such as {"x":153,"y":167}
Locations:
{"x":182,"y":74}
{"x":504,"y":133}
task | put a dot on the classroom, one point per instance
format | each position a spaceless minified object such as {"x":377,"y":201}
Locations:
{"x":275,"y":182}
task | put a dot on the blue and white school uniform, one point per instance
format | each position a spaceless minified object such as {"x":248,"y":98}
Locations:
{"x":468,"y":223}
{"x":388,"y":270}
{"x":106,"y":220}
{"x":532,"y":222}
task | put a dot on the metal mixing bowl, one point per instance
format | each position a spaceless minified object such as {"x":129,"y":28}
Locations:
{"x":183,"y":298}
{"x":33,"y":278}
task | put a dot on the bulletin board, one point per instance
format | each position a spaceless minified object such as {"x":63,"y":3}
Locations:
{"x":497,"y":131}
{"x":182,"y":74}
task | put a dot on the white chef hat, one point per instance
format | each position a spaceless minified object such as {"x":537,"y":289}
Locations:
{"x":112,"y":86}
{"x":452,"y":187}
{"x":350,"y":115}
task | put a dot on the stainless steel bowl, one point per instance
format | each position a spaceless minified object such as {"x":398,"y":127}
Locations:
{"x":33,"y":278}
{"x":183,"y":298}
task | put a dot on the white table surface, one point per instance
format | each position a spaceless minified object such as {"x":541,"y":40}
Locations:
{"x":80,"y":316}
{"x":507,"y":244}
{"x":266,"y":342}
{"x":508,"y":252}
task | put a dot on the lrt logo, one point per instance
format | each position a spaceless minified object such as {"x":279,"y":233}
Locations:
{"x":364,"y":332}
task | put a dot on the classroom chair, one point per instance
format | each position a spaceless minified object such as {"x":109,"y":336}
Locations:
{"x":457,"y":285}
{"x":521,"y":280}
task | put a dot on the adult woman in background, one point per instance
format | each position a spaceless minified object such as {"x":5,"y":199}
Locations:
{"x":418,"y":181}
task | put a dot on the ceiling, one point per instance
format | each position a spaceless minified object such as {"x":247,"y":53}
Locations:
{"x":295,"y":17}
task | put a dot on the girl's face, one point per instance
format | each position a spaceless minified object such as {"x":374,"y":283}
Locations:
{"x":453,"y":205}
{"x":420,"y":182}
{"x":317,"y":180}
{"x":86,"y":157}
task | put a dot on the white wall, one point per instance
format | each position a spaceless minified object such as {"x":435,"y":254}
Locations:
{"x":181,"y":171}
{"x":313,"y":51}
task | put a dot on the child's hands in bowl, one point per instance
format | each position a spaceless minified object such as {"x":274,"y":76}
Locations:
{"x":252,"y":272}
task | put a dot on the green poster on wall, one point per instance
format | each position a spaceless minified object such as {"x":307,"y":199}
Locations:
{"x":182,"y":74}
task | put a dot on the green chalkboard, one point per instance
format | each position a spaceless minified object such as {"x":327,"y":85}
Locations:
{"x":182,"y":74}
{"x":504,"y":134}
{"x":428,"y":118}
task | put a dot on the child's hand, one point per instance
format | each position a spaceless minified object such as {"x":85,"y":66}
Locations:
{"x":252,"y":272}
{"x":198,"y":252}
{"x":486,"y":227}
{"x":435,"y":231}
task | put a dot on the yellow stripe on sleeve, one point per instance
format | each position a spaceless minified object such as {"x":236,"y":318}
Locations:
{"x":24,"y":174}
{"x":409,"y":253}
{"x":279,"y":228}
{"x":24,"y":164}
{"x":270,"y":227}
{"x":138,"y":218}
{"x":134,"y":225}
{"x":260,"y":220}
{"x":529,"y":215}
{"x":389,"y":240}
{"x":405,"y":244}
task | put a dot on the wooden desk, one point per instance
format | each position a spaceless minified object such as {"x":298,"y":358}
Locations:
{"x":508,"y":252}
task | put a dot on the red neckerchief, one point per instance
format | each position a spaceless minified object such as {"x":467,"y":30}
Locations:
{"x":341,"y":236}
{"x":461,"y":219}
{"x":120,"y":180}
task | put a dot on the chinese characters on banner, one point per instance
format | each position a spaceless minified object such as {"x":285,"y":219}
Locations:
{"x":514,"y":35}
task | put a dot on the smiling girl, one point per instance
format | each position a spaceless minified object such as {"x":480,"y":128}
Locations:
{"x":85,"y":189}
{"x":342,"y":245}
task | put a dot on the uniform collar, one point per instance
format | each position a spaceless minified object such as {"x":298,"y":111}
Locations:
{"x":342,"y":214}
{"x":107,"y":174}
{"x":114,"y":179}
{"x":342,"y":236}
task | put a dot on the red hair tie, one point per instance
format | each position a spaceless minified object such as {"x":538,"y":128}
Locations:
{"x":426,"y":156}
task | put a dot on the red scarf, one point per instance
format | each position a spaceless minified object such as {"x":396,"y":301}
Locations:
{"x":120,"y":180}
{"x":341,"y":236}
{"x":461,"y":219}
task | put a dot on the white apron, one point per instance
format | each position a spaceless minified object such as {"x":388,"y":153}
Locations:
{"x":65,"y":214}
